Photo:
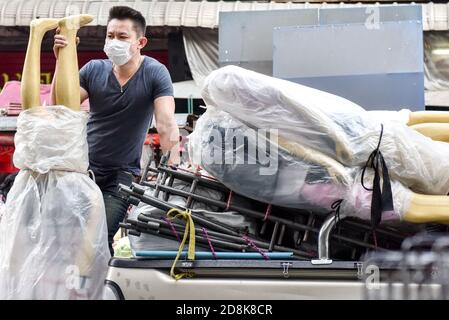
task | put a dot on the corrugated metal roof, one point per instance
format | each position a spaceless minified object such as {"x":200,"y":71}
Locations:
{"x":178,"y":13}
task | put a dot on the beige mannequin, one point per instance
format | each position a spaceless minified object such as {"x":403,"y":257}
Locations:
{"x":335,"y":169}
{"x":435,"y":131}
{"x":432,"y":124}
{"x":67,"y":83}
{"x":31,"y":76}
{"x":422,"y":208}
{"x":428,"y":208}
{"x":67,"y":93}
{"x":428,"y":117}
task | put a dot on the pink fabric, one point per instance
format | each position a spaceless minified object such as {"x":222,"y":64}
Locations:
{"x":362,"y":205}
{"x":322,"y":194}
{"x":10,"y":96}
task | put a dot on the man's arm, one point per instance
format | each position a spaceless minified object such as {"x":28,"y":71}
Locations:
{"x":164,"y":112}
{"x":83,"y":95}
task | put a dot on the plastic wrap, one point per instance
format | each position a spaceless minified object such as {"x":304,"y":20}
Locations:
{"x":53,"y":236}
{"x":148,"y":241}
{"x":316,"y":122}
{"x":401,"y":116}
{"x":2,"y":209}
{"x":436,"y":63}
{"x":122,"y":248}
{"x":291,"y":181}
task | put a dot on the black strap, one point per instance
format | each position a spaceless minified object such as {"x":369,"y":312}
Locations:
{"x":382,"y":199}
{"x":335,"y":206}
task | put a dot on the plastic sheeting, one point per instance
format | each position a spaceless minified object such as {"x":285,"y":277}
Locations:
{"x":2,"y":209}
{"x":327,"y":129}
{"x":436,"y":68}
{"x":53,"y":236}
{"x":293,"y":182}
{"x":436,"y":56}
{"x":201,"y":47}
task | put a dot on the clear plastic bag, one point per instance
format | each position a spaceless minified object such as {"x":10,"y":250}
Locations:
{"x":292,"y":182}
{"x":2,"y":209}
{"x":321,"y":123}
{"x":53,"y":236}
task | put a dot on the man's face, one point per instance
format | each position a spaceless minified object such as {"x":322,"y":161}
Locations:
{"x":124,"y":30}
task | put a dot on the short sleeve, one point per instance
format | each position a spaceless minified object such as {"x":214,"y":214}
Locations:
{"x":162,"y":84}
{"x":85,"y":71}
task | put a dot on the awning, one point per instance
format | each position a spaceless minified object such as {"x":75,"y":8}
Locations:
{"x":178,"y":13}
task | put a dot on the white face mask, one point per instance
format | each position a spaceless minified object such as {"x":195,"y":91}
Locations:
{"x":118,"y":51}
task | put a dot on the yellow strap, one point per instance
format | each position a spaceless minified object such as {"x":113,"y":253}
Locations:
{"x":190,"y":229}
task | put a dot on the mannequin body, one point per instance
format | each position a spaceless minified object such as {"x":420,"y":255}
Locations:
{"x":67,"y":93}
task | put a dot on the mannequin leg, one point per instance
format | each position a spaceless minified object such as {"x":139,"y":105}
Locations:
{"x":428,"y":116}
{"x":428,"y":208}
{"x":335,"y":169}
{"x":67,"y":92}
{"x":31,"y":77}
{"x":435,"y":131}
{"x":87,"y":251}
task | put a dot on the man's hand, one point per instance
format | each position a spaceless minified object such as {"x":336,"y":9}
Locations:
{"x":61,"y":42}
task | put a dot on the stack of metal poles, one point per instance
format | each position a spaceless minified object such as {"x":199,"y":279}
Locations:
{"x":229,"y":238}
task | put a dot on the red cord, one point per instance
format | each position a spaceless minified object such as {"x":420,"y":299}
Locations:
{"x":253,"y":245}
{"x":228,"y":203}
{"x":267,"y":213}
{"x":210,"y":243}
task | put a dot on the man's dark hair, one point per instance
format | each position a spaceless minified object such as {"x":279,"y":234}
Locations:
{"x":123,"y":12}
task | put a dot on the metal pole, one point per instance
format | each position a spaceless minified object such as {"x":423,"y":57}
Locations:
{"x":323,"y":239}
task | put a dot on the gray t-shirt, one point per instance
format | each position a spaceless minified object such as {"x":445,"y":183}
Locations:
{"x":119,"y":121}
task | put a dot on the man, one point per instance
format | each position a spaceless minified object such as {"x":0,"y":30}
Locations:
{"x":124,"y":91}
